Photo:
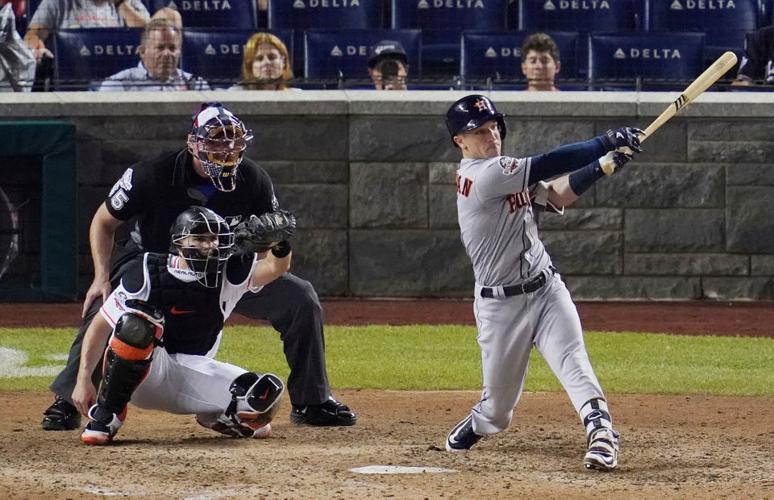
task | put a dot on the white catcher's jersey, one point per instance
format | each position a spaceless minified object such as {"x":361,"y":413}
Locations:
{"x":496,"y":221}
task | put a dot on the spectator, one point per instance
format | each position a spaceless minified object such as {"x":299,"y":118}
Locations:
{"x":758,"y":61}
{"x":388,"y":65}
{"x":540,"y":62}
{"x":17,"y":64}
{"x":73,"y":14}
{"x":157,"y":70}
{"x":266,"y":64}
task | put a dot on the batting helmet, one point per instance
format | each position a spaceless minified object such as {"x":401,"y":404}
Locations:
{"x":218,"y":140}
{"x":471,"y":112}
{"x":204,"y":239}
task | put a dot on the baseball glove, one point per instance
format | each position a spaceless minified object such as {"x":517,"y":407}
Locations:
{"x":261,"y":233}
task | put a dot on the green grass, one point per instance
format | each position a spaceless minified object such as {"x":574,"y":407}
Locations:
{"x":446,"y":357}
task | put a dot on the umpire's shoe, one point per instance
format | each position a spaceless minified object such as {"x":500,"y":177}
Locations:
{"x":462,"y":437}
{"x":602,"y":452}
{"x":329,"y":413}
{"x":61,"y":416}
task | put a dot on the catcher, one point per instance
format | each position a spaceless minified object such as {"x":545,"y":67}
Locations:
{"x":164,"y":323}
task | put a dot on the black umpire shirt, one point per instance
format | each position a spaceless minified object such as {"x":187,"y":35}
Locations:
{"x":155,"y":192}
{"x":758,"y":61}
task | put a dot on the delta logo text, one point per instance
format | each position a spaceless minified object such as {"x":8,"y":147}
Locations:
{"x":450,"y":4}
{"x":702,"y":5}
{"x":552,"y":5}
{"x":647,"y":53}
{"x":325,"y":4}
{"x":201,"y":5}
{"x":108,"y":50}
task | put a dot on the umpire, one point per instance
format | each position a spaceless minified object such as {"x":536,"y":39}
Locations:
{"x":210,"y":172}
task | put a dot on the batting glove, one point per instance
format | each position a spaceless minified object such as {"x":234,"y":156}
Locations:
{"x":614,"y":161}
{"x":624,"y":137}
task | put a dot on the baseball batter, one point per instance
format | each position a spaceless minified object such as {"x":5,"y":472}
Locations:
{"x":520,"y":300}
{"x":164,"y":323}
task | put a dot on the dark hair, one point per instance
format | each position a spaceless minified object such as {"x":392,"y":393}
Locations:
{"x":540,"y":42}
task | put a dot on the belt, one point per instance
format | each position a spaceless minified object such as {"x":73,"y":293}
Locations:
{"x":526,"y":287}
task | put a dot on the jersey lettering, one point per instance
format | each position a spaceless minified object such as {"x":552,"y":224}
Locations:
{"x":118,"y":193}
{"x":463,"y":185}
{"x":517,"y":200}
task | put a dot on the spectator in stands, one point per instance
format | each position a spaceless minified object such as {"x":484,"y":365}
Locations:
{"x":52,"y":15}
{"x":266,"y":64}
{"x":388,"y":65}
{"x":540,"y":62}
{"x":157,"y":70}
{"x":758,"y":61}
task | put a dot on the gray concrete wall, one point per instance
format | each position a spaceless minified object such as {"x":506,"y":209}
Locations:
{"x":371,"y":177}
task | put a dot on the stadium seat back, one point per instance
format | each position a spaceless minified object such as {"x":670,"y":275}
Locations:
{"x":84,"y":57}
{"x":724,"y":22}
{"x":456,"y":15}
{"x":581,"y":15}
{"x":227,"y":14}
{"x":324,"y":14}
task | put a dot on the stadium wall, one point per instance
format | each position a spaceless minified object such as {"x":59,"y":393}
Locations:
{"x":371,"y":177}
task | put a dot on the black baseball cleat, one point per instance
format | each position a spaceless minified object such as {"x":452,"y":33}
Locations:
{"x":61,"y":416}
{"x":329,"y":413}
{"x":462,"y":437}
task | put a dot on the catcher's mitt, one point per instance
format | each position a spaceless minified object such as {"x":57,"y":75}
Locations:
{"x":260,"y":233}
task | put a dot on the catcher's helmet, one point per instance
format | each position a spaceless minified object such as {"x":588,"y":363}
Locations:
{"x":204,"y":239}
{"x":471,"y":112}
{"x":218,"y":139}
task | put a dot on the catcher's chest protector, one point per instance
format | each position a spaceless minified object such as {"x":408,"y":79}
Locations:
{"x":192,"y":312}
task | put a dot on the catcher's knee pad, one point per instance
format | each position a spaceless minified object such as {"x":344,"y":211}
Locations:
{"x":128,"y":358}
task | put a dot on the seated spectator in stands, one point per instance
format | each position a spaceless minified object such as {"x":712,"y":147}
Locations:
{"x":52,"y":15}
{"x":757,"y":64}
{"x":157,"y":70}
{"x":388,"y":65}
{"x":266,"y":64}
{"x":17,"y":64}
{"x":540,"y":62}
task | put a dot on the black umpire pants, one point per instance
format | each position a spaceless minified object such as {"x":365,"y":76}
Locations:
{"x":292,"y":307}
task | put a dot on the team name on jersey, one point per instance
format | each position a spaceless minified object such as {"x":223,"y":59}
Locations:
{"x":517,"y":200}
{"x":463,"y":185}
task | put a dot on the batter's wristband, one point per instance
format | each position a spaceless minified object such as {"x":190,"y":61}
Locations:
{"x":583,"y":178}
{"x":281,"y":250}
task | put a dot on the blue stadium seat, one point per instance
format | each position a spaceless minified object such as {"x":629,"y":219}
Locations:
{"x":324,"y":14}
{"x":442,"y":22}
{"x":87,"y":56}
{"x":497,"y":55}
{"x":725,"y":22}
{"x":216,"y":55}
{"x":581,"y":15}
{"x":663,"y":60}
{"x":233,"y":14}
{"x":331,"y":54}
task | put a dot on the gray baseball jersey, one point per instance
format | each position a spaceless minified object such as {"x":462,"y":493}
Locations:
{"x":496,"y":221}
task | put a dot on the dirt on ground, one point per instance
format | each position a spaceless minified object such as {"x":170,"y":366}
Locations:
{"x":671,"y":446}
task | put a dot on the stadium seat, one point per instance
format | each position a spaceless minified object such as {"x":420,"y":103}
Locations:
{"x":663,"y":61}
{"x":581,"y":15}
{"x":335,"y":54}
{"x":442,"y":22}
{"x":87,"y":56}
{"x":725,"y":22}
{"x":234,"y":14}
{"x":497,"y":55}
{"x":301,"y":15}
{"x":216,"y":55}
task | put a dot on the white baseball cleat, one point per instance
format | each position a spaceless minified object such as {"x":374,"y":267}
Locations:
{"x":602,"y":453}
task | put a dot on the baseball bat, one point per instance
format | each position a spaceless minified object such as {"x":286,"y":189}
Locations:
{"x":705,"y":80}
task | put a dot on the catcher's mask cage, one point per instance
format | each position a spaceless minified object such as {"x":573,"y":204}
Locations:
{"x":471,"y":112}
{"x":218,"y":140}
{"x":205,"y":241}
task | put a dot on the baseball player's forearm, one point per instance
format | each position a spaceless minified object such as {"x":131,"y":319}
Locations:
{"x":560,"y":193}
{"x":101,"y":238}
{"x":271,"y":267}
{"x":565,"y":159}
{"x":93,"y":347}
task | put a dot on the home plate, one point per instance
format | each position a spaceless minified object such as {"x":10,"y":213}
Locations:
{"x":399,"y":469}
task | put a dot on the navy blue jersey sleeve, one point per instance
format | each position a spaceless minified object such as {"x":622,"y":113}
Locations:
{"x":565,"y":159}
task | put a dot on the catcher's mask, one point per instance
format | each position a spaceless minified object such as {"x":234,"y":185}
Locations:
{"x":471,"y":112}
{"x":204,"y":240}
{"x":218,"y":139}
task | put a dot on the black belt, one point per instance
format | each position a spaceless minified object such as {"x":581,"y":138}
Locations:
{"x":526,"y":287}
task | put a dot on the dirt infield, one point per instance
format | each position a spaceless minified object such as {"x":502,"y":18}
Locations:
{"x":672,"y":446}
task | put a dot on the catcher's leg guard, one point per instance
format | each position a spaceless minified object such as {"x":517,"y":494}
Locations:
{"x":254,"y":402}
{"x":127,"y":360}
